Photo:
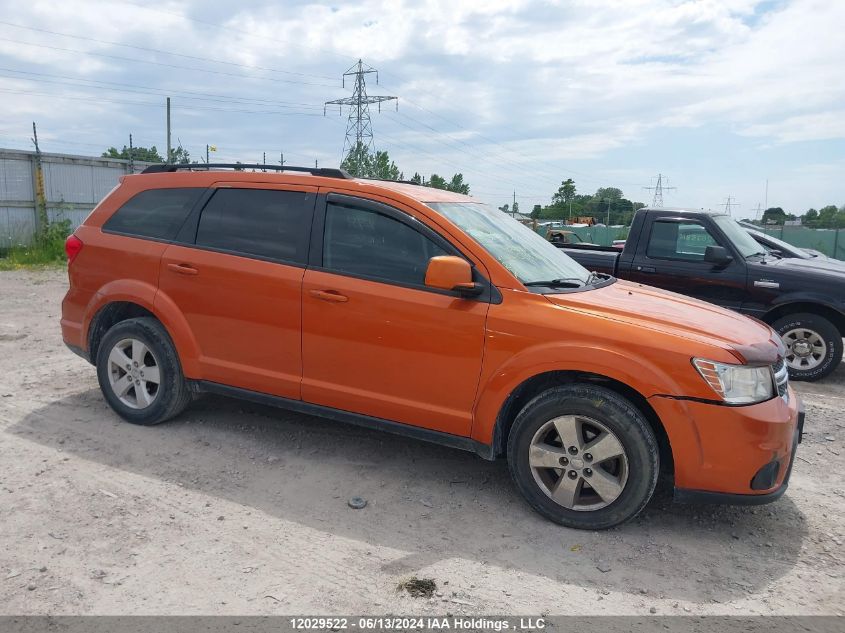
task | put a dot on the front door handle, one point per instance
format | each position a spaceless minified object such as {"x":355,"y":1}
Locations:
{"x":329,"y":295}
{"x":182,"y":269}
{"x":646,"y":269}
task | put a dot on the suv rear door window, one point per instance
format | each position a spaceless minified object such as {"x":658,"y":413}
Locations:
{"x":263,"y":223}
{"x":154,"y":213}
{"x":369,"y":244}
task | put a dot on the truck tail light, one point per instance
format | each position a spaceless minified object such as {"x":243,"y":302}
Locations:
{"x":73,"y":245}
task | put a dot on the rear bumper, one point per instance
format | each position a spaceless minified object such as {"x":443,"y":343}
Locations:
{"x":732,"y":455}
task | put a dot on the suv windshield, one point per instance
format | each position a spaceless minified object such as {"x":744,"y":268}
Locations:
{"x":519,"y":249}
{"x":739,"y":237}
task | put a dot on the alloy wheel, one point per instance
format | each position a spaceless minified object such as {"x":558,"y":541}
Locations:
{"x":805,"y":349}
{"x":578,"y":462}
{"x":134,"y":374}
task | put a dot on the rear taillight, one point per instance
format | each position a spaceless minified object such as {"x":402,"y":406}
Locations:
{"x":72,"y":247}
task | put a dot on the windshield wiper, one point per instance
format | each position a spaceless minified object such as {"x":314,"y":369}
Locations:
{"x":563,"y":282}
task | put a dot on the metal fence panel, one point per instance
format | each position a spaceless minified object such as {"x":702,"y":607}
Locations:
{"x":831,"y":242}
{"x":68,"y":182}
{"x":17,"y":226}
{"x":75,"y":215}
{"x":15,"y":179}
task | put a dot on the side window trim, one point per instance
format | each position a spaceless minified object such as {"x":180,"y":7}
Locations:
{"x":187,"y":235}
{"x":678,"y":221}
{"x":315,"y":260}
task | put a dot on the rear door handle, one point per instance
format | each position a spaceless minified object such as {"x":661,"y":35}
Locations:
{"x":182,"y":269}
{"x":329,"y":295}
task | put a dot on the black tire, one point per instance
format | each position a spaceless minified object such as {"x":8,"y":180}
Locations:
{"x":828,"y":333}
{"x":620,"y":417}
{"x":172,"y":394}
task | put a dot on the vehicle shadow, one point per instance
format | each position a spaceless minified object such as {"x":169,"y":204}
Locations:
{"x":431,"y":502}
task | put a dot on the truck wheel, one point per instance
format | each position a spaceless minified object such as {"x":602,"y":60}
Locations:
{"x":139,"y":372}
{"x":813,"y":345}
{"x":583,"y":456}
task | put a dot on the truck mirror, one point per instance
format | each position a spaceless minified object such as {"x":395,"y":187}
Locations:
{"x":717,"y":255}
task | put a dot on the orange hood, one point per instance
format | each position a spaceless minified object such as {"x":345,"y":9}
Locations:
{"x":750,"y":340}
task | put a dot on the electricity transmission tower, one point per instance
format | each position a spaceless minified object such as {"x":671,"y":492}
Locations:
{"x":359,"y":127}
{"x":730,"y":202}
{"x":658,"y":191}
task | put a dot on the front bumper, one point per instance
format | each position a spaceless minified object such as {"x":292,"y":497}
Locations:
{"x":733,"y":455}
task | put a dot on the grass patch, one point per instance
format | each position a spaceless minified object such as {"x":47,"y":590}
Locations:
{"x":47,"y":251}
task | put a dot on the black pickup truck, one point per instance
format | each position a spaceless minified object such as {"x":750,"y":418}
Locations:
{"x":709,"y":256}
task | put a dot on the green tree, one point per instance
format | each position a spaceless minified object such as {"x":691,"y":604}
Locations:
{"x":811,"y":218}
{"x":179,"y":156}
{"x":358,"y":161}
{"x":608,"y":193}
{"x":438,"y":182}
{"x":774,"y":215}
{"x":147,"y":155}
{"x":505,"y":208}
{"x":458,"y":185}
{"x":515,"y":208}
{"x":383,"y":168}
{"x":417,"y":179}
{"x":565,"y":193}
{"x":536,"y":211}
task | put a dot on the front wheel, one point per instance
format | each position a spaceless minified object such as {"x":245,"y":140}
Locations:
{"x":583,"y":456}
{"x":813,"y":345}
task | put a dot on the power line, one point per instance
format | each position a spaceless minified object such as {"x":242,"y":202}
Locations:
{"x":140,"y":89}
{"x":165,"y":52}
{"x":359,"y":126}
{"x":147,"y":61}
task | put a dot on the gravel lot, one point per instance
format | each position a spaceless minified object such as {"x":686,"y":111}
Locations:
{"x":239,"y":509}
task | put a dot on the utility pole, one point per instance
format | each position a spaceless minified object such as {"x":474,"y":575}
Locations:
{"x":730,"y":202}
{"x":316,"y":166}
{"x":167,"y":160}
{"x":513,"y":208}
{"x":264,"y":159}
{"x":766,"y":200}
{"x":359,"y":127}
{"x":206,"y":154}
{"x":40,"y":198}
{"x":657,"y":202}
{"x":281,"y":159}
{"x":131,"y":156}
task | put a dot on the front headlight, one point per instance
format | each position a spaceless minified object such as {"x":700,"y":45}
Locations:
{"x":737,"y":384}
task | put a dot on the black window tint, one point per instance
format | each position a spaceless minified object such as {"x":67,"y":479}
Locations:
{"x":679,"y":240}
{"x":366,"y":243}
{"x":156,"y":213}
{"x":261,"y":222}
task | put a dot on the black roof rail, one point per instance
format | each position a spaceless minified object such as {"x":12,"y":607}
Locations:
{"x":328,"y":172}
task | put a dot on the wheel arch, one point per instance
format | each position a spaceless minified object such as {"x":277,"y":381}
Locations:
{"x":128,"y":299}
{"x":794,"y":307}
{"x":533,"y":386}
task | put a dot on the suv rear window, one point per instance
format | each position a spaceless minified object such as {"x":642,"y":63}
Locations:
{"x":155,"y":213}
{"x":263,"y":223}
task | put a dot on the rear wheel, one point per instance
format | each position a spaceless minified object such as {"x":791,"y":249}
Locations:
{"x":813,"y":345}
{"x":583,"y":456}
{"x":139,"y":372}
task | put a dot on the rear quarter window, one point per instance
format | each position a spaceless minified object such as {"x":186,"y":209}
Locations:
{"x":155,"y":213}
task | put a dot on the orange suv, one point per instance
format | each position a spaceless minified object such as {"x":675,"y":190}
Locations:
{"x":425,"y":313}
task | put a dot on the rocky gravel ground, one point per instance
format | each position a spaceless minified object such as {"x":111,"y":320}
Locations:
{"x":239,"y":509}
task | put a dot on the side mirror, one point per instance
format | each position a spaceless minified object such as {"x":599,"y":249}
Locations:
{"x":448,"y":272}
{"x":717,"y":255}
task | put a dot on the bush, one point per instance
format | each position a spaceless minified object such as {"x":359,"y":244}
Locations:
{"x":48,"y":248}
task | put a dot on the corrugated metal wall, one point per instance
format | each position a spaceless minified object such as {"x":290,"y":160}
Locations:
{"x":73,"y":186}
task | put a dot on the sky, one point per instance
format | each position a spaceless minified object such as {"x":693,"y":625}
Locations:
{"x":720,"y":97}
